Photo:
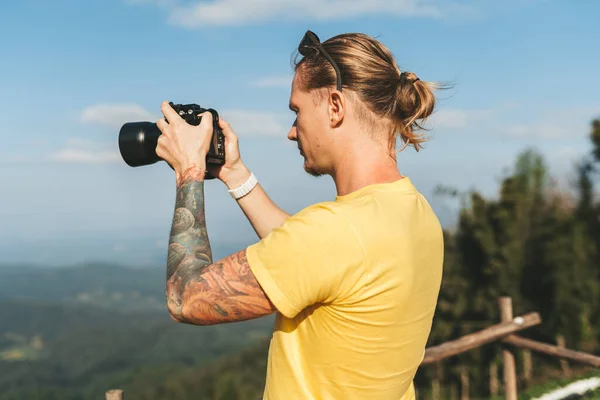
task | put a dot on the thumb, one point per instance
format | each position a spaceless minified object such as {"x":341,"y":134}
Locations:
{"x":207,"y":120}
{"x":206,"y":123}
{"x":226,"y":129}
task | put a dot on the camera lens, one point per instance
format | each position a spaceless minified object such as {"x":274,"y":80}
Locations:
{"x":137,"y":143}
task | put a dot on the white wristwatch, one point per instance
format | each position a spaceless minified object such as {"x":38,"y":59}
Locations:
{"x":245,"y":188}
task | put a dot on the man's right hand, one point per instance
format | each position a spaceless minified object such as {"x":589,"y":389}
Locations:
{"x":233,"y":172}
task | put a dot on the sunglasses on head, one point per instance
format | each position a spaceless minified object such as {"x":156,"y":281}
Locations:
{"x":310,"y":46}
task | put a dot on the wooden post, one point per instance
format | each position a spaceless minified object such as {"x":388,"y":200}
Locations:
{"x":453,"y":392}
{"x":114,"y":394}
{"x":527,"y":365}
{"x":493,"y":379}
{"x":436,"y":384}
{"x":564,"y":365}
{"x":555,"y":351}
{"x":464,"y":384}
{"x":435,"y":389}
{"x":510,"y":376}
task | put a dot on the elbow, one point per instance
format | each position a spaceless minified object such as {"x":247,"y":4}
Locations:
{"x":174,"y":304}
{"x":179,"y":316}
{"x":180,"y":312}
{"x":175,"y":311}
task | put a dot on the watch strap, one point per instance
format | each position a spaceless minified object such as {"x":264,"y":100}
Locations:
{"x":244,"y":188}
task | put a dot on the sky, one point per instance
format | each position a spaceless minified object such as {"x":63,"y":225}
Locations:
{"x":525,"y":75}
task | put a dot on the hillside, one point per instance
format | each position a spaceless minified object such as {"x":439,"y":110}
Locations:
{"x":54,"y":346}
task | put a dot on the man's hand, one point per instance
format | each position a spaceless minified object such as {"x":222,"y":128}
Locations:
{"x":183,"y":146}
{"x":233,"y":172}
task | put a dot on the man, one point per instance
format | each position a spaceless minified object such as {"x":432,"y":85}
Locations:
{"x":353,"y":281}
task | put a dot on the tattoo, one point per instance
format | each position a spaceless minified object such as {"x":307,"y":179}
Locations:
{"x":189,"y":248}
{"x":193,"y":173}
{"x":227,"y":291}
{"x":198,"y":291}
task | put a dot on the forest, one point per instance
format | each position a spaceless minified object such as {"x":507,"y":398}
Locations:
{"x":537,"y":241}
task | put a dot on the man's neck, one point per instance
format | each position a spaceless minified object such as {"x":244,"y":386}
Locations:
{"x":359,"y":169}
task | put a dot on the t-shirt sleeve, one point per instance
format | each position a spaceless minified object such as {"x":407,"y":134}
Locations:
{"x":312,"y":258}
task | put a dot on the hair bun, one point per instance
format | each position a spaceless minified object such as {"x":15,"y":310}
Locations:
{"x":413,"y":104}
{"x":404,"y":78}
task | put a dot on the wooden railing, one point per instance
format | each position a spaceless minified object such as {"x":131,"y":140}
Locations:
{"x":505,"y":331}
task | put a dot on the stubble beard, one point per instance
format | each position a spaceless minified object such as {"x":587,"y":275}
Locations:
{"x":312,"y":171}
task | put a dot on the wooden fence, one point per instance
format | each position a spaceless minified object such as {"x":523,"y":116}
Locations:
{"x":505,"y":331}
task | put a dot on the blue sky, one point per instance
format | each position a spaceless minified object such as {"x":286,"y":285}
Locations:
{"x":72,"y":72}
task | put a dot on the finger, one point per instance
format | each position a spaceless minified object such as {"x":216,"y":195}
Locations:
{"x":162,"y":125}
{"x":206,"y":125}
{"x":169,"y":112}
{"x":160,"y":142}
{"x":160,"y":146}
{"x":226,"y":129}
{"x":207,"y":121}
{"x":161,"y":152}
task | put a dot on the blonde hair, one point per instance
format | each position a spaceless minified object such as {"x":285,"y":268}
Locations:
{"x":398,"y":100}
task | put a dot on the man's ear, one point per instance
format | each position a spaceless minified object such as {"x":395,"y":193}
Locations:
{"x":336,"y":108}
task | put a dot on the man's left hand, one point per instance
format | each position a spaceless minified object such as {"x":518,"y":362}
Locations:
{"x":183,"y":146}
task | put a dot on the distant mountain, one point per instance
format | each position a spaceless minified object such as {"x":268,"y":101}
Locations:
{"x":102,"y":285}
{"x":137,"y":249}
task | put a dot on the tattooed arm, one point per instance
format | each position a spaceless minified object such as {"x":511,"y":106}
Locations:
{"x":198,"y":291}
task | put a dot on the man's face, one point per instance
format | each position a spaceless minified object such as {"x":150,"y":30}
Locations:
{"x":309,"y":129}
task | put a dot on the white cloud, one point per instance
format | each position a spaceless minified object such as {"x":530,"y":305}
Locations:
{"x":74,"y":151}
{"x":200,"y":14}
{"x":539,"y":129}
{"x":555,"y":124}
{"x":456,"y":118}
{"x":84,"y":151}
{"x":550,"y":124}
{"x":115,"y":115}
{"x":241,"y":12}
{"x":78,"y":156}
{"x":255,"y":123}
{"x":274,"y":81}
{"x":207,"y":13}
{"x":449,"y":118}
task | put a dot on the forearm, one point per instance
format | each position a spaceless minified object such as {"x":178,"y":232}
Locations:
{"x":264,"y":215}
{"x":189,"y":248}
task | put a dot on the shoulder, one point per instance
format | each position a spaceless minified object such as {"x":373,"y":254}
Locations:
{"x":320,"y":227}
{"x":319,"y":219}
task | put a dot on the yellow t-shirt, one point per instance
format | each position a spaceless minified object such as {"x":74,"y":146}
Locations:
{"x":355,"y":282}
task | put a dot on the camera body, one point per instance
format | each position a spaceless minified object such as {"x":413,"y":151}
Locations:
{"x":191,"y":114}
{"x":138,"y":140}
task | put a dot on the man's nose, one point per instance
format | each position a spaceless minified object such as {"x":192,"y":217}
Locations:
{"x":292,"y":134}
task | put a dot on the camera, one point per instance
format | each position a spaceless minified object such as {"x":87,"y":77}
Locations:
{"x":138,"y":140}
